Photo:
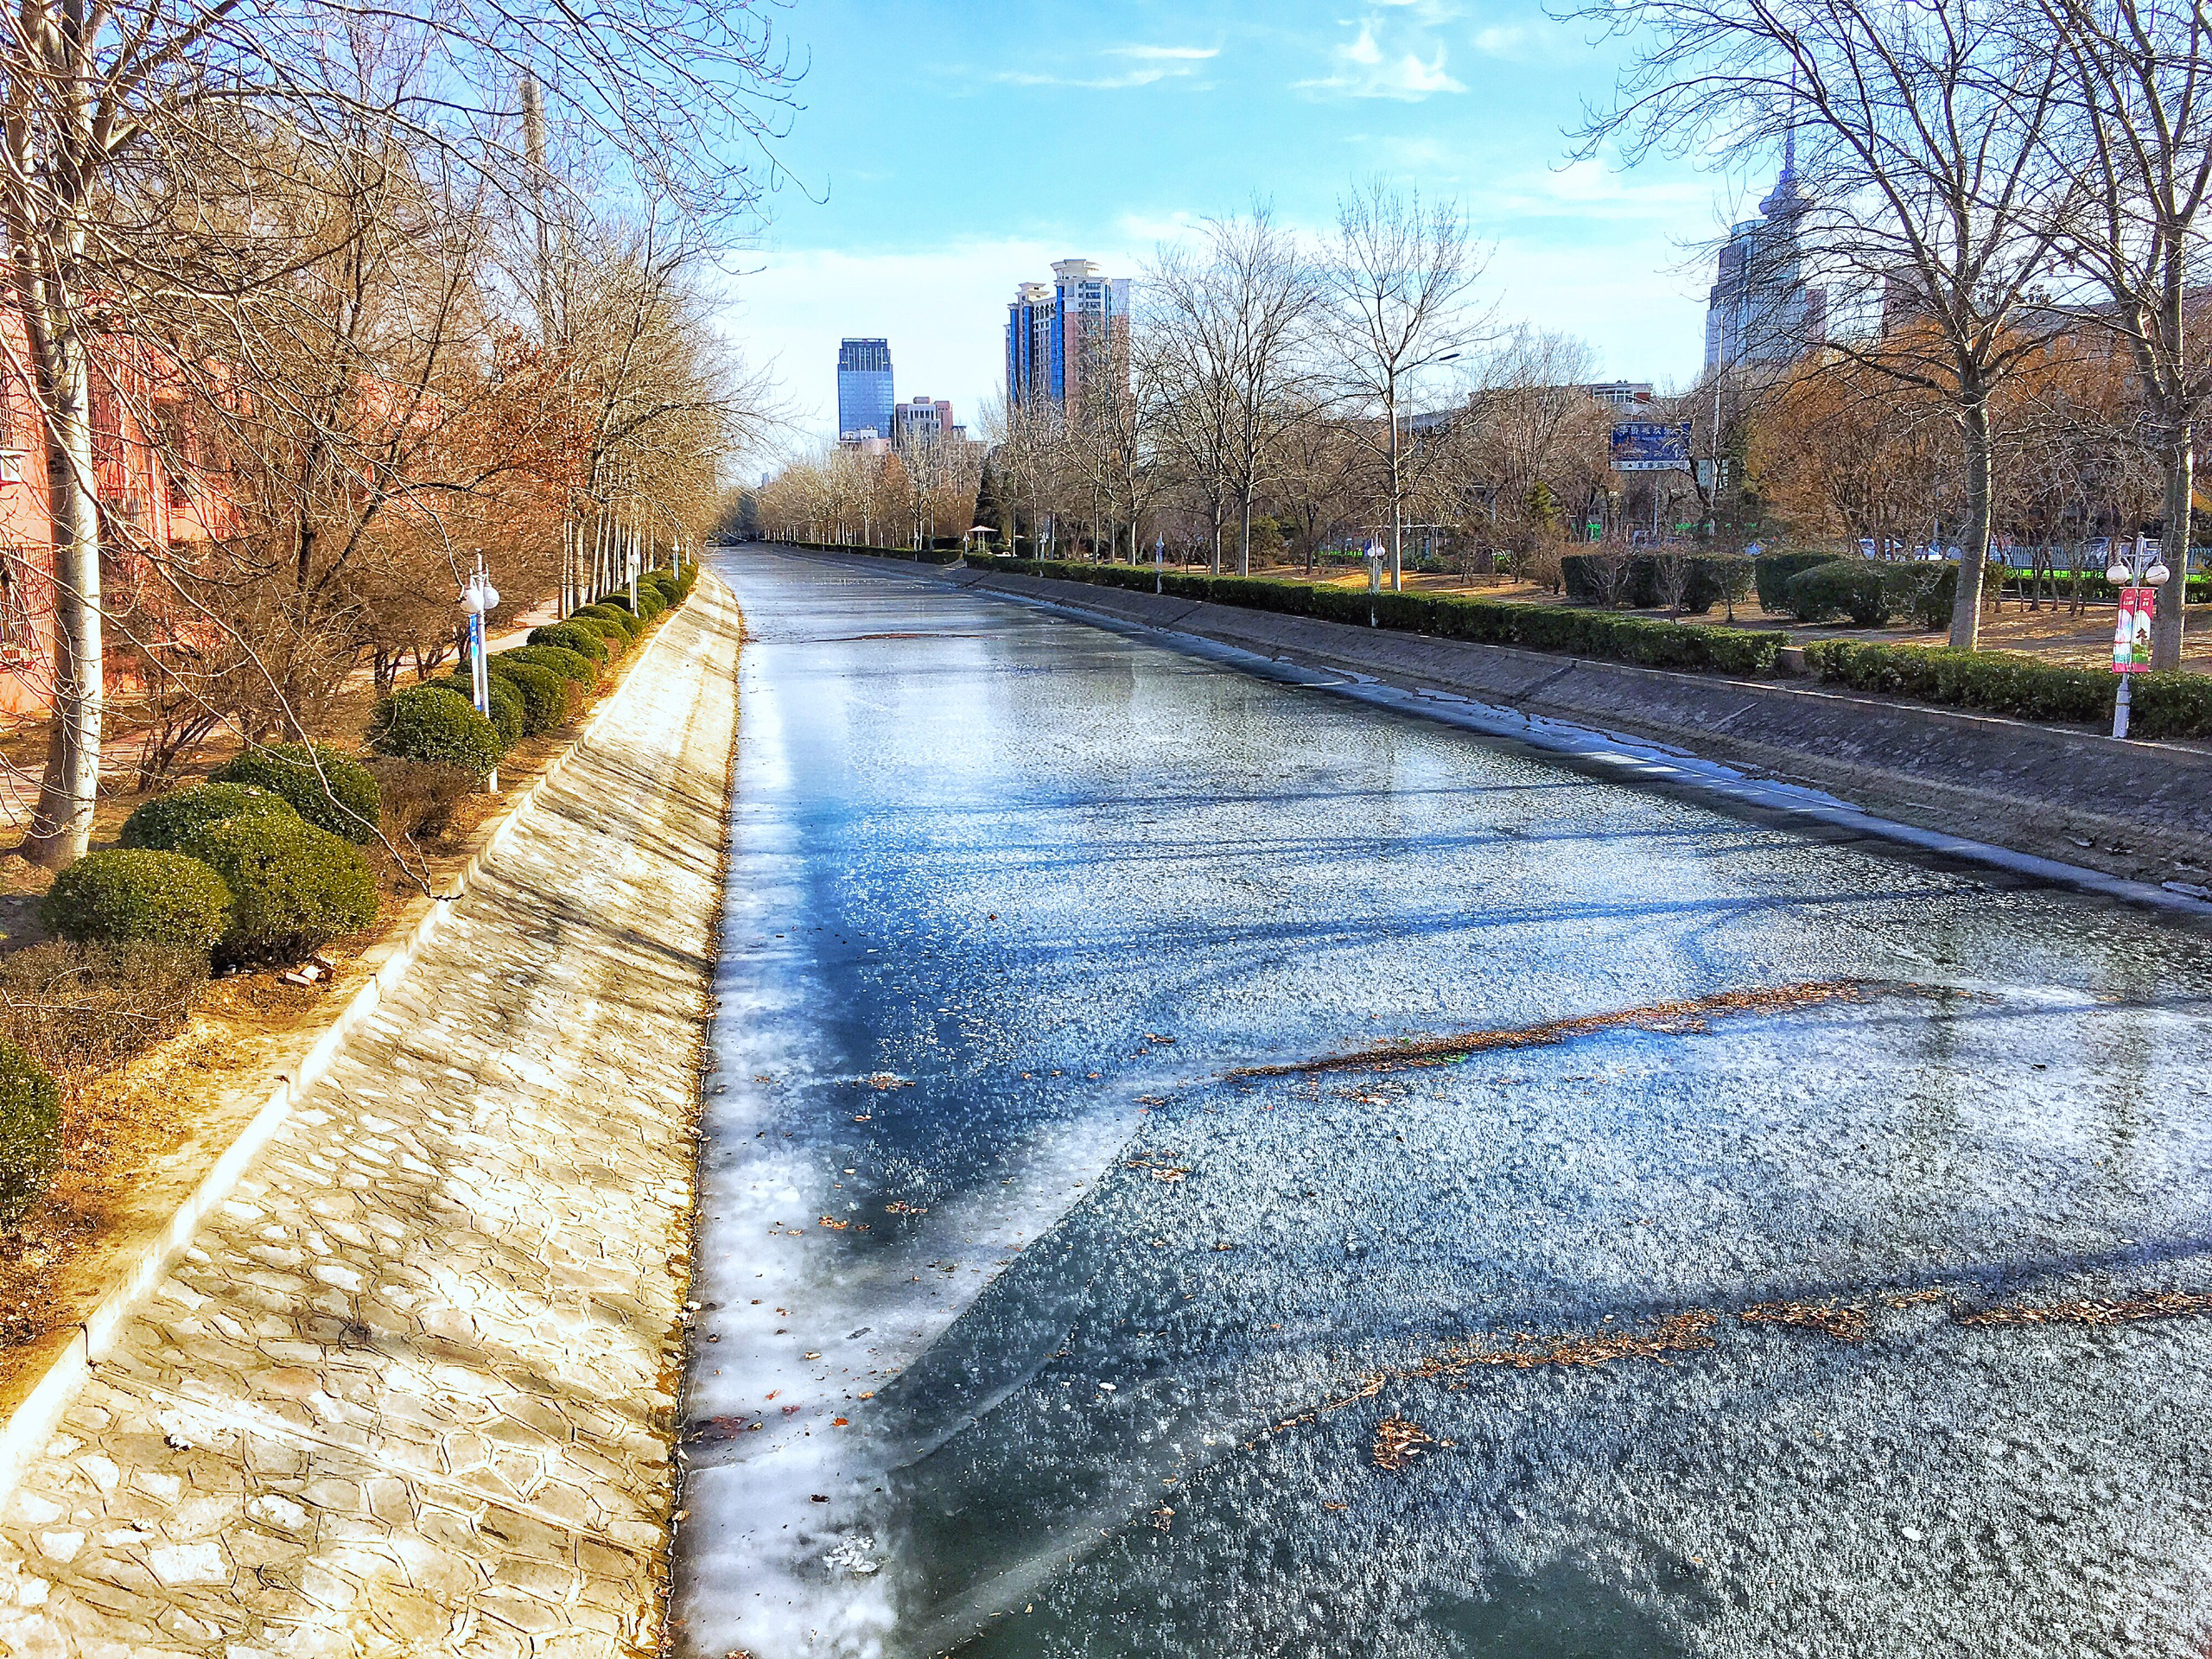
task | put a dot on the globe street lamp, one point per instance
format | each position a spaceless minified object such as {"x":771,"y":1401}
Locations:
{"x":2138,"y":571}
{"x":478,"y":600}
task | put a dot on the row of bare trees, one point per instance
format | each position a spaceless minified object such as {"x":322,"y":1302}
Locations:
{"x":2002,"y":200}
{"x":923,"y":492}
{"x":2000,"y":181}
{"x":374,"y":290}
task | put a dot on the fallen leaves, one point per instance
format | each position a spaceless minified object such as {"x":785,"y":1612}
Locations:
{"x":1692,"y":1015}
{"x":1163,"y":1517}
{"x":1845,"y":1321}
{"x":900,"y":1208}
{"x":881,"y":1081}
{"x":2166,"y":1304}
{"x":1678,"y":1334}
{"x":1398,"y":1442}
{"x":1159,"y":1172}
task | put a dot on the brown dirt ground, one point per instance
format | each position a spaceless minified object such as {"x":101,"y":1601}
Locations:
{"x":136,"y":1142}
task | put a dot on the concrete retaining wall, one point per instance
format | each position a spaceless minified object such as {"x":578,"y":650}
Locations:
{"x":2138,"y":810}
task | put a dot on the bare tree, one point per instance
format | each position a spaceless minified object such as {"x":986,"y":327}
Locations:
{"x":2140,"y":135}
{"x":127,"y":172}
{"x":1189,"y":338}
{"x":1927,"y":179}
{"x":1395,"y":286}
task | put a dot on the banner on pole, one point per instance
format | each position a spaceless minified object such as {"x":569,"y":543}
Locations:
{"x":2131,"y":639}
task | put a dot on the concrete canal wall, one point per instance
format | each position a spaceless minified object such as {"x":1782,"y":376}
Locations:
{"x":2142,"y":811}
{"x":411,"y":1388}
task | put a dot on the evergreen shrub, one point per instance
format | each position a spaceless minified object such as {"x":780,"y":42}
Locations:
{"x":435,"y":722}
{"x":131,"y":896}
{"x":30,"y":1132}
{"x":331,"y":791}
{"x":294,"y":887}
{"x":161,"y":824}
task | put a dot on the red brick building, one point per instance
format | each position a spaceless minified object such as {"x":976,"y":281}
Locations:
{"x":147,"y":505}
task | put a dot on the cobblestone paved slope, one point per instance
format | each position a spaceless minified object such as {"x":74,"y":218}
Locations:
{"x":411,"y":1391}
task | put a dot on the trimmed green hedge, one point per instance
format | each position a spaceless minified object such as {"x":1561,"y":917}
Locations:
{"x":2001,"y":682}
{"x":435,"y":722}
{"x":1617,"y":635}
{"x":613,"y":611}
{"x":571,"y":665}
{"x":163,"y":824}
{"x":1770,"y":575}
{"x":540,"y":696}
{"x":1863,"y":589}
{"x":587,"y":642}
{"x":294,"y":887}
{"x":30,"y":1132}
{"x":331,"y":791}
{"x":128,"y":896}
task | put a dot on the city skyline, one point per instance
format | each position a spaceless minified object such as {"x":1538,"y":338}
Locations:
{"x":1136,"y":122}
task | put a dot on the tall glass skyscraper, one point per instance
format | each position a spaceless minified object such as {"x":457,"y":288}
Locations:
{"x":864,"y":393}
{"x":1763,"y":312}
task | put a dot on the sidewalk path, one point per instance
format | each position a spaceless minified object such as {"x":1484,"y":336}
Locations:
{"x":411,"y":1391}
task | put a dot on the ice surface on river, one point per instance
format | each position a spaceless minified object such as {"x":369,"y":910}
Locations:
{"x":1061,"y":1312}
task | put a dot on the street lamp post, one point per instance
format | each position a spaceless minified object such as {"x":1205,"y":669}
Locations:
{"x":1373,"y":576}
{"x":1159,"y":559}
{"x":2138,"y":571}
{"x":478,"y":600}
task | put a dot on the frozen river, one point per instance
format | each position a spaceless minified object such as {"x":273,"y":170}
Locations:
{"x":1031,"y":1332}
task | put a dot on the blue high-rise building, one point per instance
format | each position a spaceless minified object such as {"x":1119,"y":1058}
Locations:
{"x":865,"y":396}
{"x":1059,"y":333}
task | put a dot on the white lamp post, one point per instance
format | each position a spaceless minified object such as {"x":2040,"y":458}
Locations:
{"x":478,"y":600}
{"x":2138,"y":571}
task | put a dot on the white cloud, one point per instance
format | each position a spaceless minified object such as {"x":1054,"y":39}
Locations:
{"x":1498,"y":39}
{"x":1365,"y":68}
{"x":1166,"y":54}
{"x":1150,"y":65}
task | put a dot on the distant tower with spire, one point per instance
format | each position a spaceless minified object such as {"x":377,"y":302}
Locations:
{"x":1762,"y":312}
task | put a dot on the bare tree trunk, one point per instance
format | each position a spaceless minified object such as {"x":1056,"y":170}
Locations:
{"x":1974,"y":551}
{"x":2181,"y":482}
{"x":62,"y":825}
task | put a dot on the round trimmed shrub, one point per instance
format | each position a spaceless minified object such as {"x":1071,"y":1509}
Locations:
{"x":587,"y":642}
{"x":131,"y":896}
{"x":568,"y":665}
{"x":1862,"y":589}
{"x":331,"y":791}
{"x":293,"y":887}
{"x":30,"y":1132}
{"x":619,"y":614}
{"x":435,"y":722}
{"x":545,"y":695}
{"x":611,"y":635}
{"x":161,"y":824}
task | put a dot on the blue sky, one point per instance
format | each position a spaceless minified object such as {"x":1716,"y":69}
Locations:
{"x":944,"y":150}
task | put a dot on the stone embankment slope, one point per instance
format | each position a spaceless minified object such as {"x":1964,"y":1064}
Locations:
{"x":412,"y":1390}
